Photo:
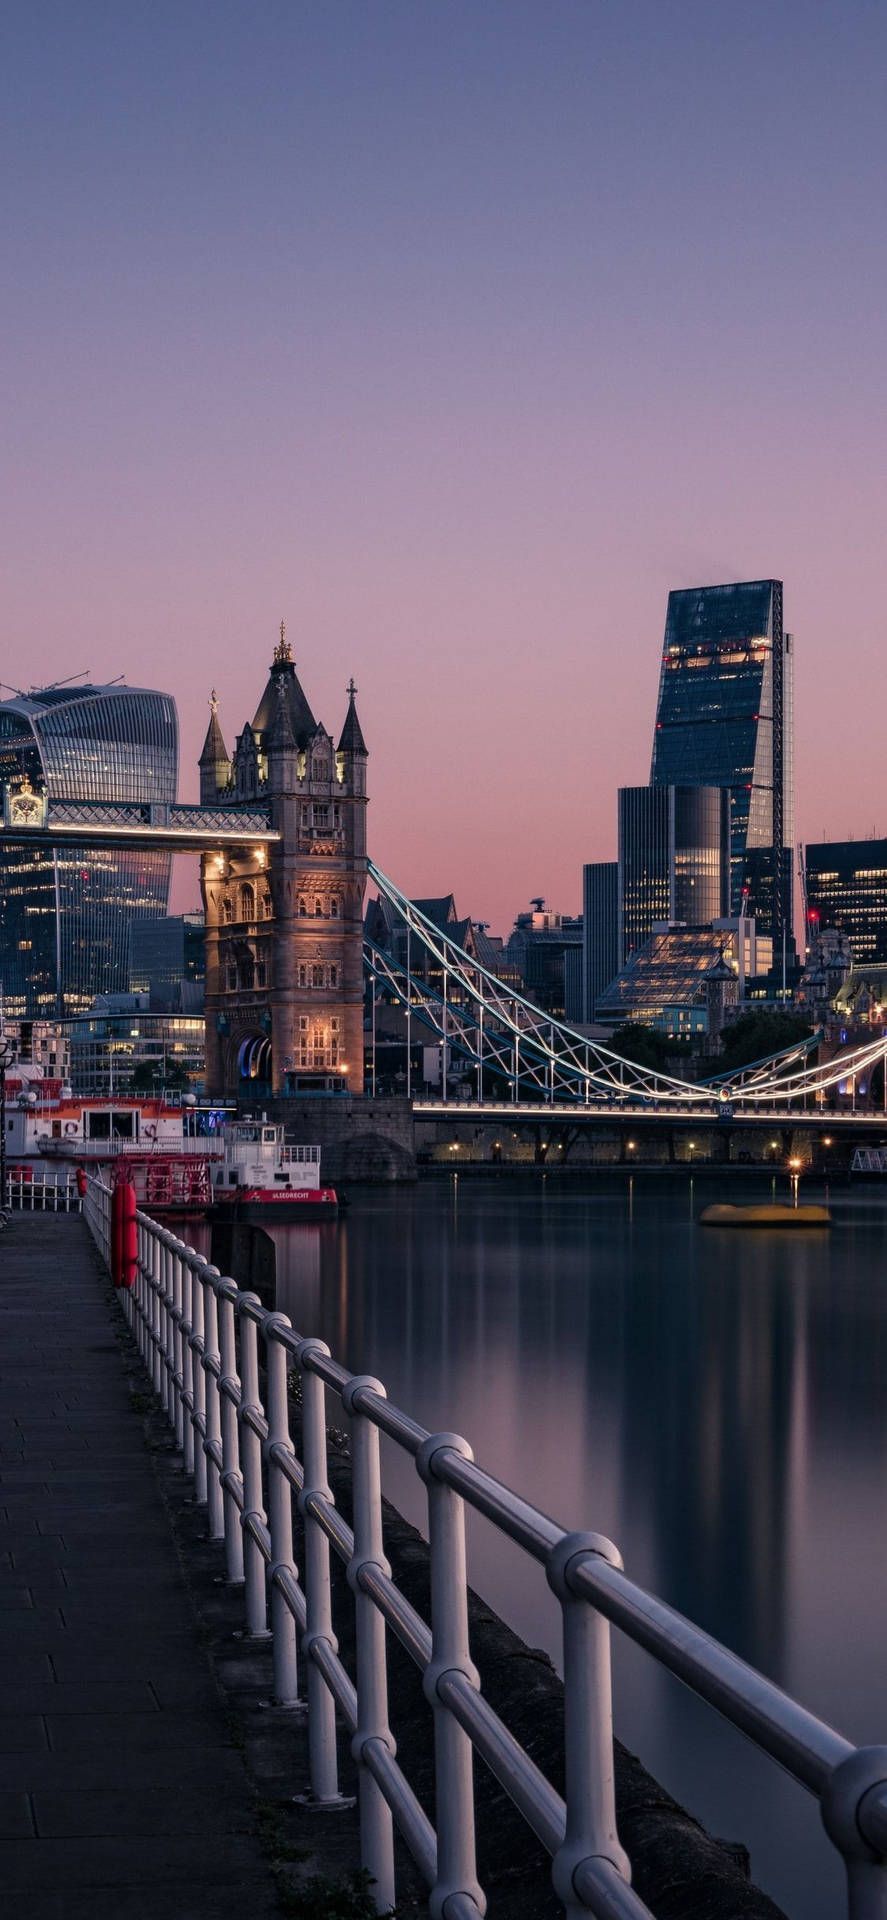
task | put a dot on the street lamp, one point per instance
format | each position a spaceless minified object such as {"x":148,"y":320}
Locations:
{"x":7,"y":1052}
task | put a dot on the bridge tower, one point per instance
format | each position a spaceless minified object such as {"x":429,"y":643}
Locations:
{"x":284,"y":919}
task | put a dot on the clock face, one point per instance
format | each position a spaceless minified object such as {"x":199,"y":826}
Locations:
{"x":25,"y":809}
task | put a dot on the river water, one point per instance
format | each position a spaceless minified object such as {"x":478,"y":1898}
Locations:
{"x":713,"y":1401}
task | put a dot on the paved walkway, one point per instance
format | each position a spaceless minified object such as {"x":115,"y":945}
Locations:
{"x":121,"y":1792}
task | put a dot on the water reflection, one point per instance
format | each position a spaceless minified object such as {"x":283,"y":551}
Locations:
{"x":713,"y":1401}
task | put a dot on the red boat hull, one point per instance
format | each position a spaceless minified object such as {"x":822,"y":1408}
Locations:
{"x":270,"y":1203}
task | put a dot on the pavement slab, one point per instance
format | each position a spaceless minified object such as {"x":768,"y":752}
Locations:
{"x":122,"y":1790}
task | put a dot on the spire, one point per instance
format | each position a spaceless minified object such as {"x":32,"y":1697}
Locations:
{"x":280,"y":731}
{"x":352,"y":740}
{"x":283,"y":652}
{"x":214,"y":748}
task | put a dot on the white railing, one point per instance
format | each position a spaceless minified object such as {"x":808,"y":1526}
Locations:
{"x":199,"y":1335}
{"x":42,"y":1196}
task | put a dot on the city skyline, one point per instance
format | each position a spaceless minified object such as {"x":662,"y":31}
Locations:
{"x":458,"y":341}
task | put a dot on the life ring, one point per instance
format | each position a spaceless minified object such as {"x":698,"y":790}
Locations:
{"x":70,"y":1129}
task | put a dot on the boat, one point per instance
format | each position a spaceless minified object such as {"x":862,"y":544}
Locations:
{"x":774,"y":1214}
{"x":263,"y":1177}
{"x":167,"y":1143}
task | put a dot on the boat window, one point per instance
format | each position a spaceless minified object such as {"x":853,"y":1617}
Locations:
{"x":267,"y":1133}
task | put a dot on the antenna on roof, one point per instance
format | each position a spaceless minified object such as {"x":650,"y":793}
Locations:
{"x":19,"y":692}
{"x":83,"y":675}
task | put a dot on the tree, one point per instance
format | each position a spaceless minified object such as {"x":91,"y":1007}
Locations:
{"x":755,"y":1035}
{"x":647,"y":1046}
{"x":147,"y":1078}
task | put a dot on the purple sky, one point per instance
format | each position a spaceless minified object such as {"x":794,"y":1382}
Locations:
{"x":456,"y":334}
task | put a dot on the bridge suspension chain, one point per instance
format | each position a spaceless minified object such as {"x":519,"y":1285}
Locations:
{"x":493,"y":1028}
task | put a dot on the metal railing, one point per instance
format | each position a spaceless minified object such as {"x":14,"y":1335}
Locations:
{"x":42,"y":1196}
{"x":199,"y":1336}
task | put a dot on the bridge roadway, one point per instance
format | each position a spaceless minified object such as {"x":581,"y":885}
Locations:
{"x":122,"y":1792}
{"x":641,"y":1113}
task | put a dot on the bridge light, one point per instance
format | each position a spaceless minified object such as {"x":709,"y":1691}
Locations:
{"x":630,"y":1145}
{"x":826,"y":1139}
{"x":795,"y":1164}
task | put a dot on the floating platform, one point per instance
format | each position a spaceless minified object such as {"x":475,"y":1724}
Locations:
{"x":772,"y":1215}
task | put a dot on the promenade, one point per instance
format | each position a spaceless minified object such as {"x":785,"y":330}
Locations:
{"x":121,"y":1791}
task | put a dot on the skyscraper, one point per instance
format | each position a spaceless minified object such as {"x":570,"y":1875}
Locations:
{"x":673,"y":859}
{"x":600,"y":930}
{"x":846,"y":885}
{"x":65,"y":915}
{"x":724,"y":718}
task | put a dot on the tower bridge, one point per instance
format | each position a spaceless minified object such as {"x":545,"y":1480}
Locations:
{"x":281,"y":834}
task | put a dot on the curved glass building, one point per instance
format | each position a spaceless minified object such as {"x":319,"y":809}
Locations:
{"x":65,"y":915}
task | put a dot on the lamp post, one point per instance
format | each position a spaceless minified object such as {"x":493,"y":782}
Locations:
{"x":6,"y":1055}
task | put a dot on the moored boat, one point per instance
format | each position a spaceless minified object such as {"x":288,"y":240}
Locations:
{"x":263,"y":1177}
{"x":774,"y":1214}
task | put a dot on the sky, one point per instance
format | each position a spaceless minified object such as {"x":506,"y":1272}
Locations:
{"x":455,"y":334}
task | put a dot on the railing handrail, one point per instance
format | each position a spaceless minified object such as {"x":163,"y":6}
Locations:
{"x":187,"y":1317}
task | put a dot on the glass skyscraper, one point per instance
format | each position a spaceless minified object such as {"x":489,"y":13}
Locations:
{"x":673,"y":859}
{"x":65,"y":914}
{"x":724,"y":719}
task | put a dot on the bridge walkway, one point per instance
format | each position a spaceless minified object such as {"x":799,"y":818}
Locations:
{"x":121,"y":1791}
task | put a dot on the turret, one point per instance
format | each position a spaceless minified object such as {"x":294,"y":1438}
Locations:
{"x":351,"y":753}
{"x":214,"y":763}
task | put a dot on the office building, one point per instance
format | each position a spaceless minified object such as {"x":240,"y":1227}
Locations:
{"x":674,"y":859}
{"x":846,"y":888}
{"x":600,"y":931}
{"x":724,"y":718}
{"x":120,"y":1040}
{"x":682,"y":978}
{"x":537,"y":947}
{"x":166,"y":961}
{"x":66,"y":914}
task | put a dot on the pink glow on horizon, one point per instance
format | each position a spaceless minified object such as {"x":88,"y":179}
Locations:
{"x":457,"y":342}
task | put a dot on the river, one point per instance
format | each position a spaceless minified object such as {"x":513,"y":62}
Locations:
{"x":713,"y":1401}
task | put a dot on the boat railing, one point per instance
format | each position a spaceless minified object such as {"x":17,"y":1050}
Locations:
{"x":47,"y":1195}
{"x":199,"y":1337}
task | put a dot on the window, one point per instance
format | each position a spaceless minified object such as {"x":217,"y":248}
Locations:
{"x":334,"y":976}
{"x":248,"y":974}
{"x":334,"y":906}
{"x":317,"y":977}
{"x":303,"y":976}
{"x":261,"y":974}
{"x":320,"y":767}
{"x":267,"y":908}
{"x":232,"y":979}
{"x":247,"y":902}
{"x":318,"y":909}
{"x":227,"y":910}
{"x":303,"y":906}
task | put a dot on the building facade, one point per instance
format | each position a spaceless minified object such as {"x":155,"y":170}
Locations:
{"x":284,"y":988}
{"x":674,"y":859}
{"x":600,"y":931}
{"x":846,"y":888}
{"x":166,"y":961}
{"x":724,"y":718}
{"x":66,"y":914}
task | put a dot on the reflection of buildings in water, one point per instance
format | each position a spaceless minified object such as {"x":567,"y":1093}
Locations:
{"x":297,"y":1256}
{"x":715,"y":1439}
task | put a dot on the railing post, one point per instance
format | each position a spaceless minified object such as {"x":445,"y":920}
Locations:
{"x":155,"y":1255}
{"x":843,"y":1807}
{"x":169,"y":1330}
{"x":376,"y":1831}
{"x":178,"y":1377}
{"x":211,"y":1362}
{"x":251,"y":1458}
{"x":453,"y":1753}
{"x":318,"y":1598}
{"x":186,"y":1362}
{"x":588,"y":1724}
{"x":229,"y":1385}
{"x":280,"y":1513}
{"x":199,"y":1290}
